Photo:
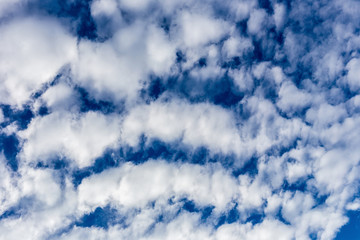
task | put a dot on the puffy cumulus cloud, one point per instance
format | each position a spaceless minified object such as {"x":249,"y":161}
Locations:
{"x":240,"y":10}
{"x":237,"y":46}
{"x":187,"y":226}
{"x":78,"y":138}
{"x":107,"y":17}
{"x":194,"y":124}
{"x":339,"y":162}
{"x":32,"y":52}
{"x":292,"y":99}
{"x":60,"y":97}
{"x":355,"y":205}
{"x":269,"y":228}
{"x":353,"y":78}
{"x":50,"y":204}
{"x":326,"y":114}
{"x":257,"y":21}
{"x":331,"y":67}
{"x":279,"y":15}
{"x":266,"y":128}
{"x":243,"y":79}
{"x":199,"y":29}
{"x":160,"y":51}
{"x":116,"y":69}
{"x":216,"y":128}
{"x":160,"y":182}
{"x":10,"y":194}
{"x":2,"y":118}
{"x":104,"y":7}
{"x":108,"y":74}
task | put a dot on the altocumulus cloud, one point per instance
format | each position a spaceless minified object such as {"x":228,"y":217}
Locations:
{"x":147,"y":119}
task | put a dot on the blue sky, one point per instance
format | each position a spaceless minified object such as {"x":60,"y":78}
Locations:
{"x":147,"y":119}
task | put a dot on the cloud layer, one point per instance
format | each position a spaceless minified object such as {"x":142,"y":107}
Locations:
{"x":146,"y":119}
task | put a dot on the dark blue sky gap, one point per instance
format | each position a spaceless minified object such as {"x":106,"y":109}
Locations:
{"x":101,"y":217}
{"x":77,"y":12}
{"x":10,"y":146}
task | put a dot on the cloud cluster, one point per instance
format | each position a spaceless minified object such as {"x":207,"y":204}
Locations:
{"x":146,"y":119}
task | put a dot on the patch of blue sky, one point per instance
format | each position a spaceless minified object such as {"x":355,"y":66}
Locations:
{"x":21,"y":117}
{"x":351,"y":230}
{"x":101,"y":217}
{"x":10,"y":148}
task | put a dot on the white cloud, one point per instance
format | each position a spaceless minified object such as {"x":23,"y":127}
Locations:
{"x":2,"y":117}
{"x":60,"y":97}
{"x":49,"y":211}
{"x":212,"y":71}
{"x":9,"y":194}
{"x":353,"y":104}
{"x":32,"y":51}
{"x":41,"y":184}
{"x":331,"y":171}
{"x":353,"y":76}
{"x":296,"y":171}
{"x":104,"y":7}
{"x":241,"y":9}
{"x":242,"y":78}
{"x":278,"y":74}
{"x":292,"y":99}
{"x":237,"y":46}
{"x":110,"y":73}
{"x":116,"y":69}
{"x":107,"y":16}
{"x":330,"y":66}
{"x":268,"y":229}
{"x":260,"y":69}
{"x":200,"y":29}
{"x":159,"y":181}
{"x":279,"y":16}
{"x":355,"y":205}
{"x":160,"y":51}
{"x":294,"y":205}
{"x":185,"y":226}
{"x":325,"y":114}
{"x":80,"y":138}
{"x":194,"y":124}
{"x":85,"y":233}
{"x":271,"y":229}
{"x":266,"y":128}
{"x":257,"y":22}
{"x":252,"y":193}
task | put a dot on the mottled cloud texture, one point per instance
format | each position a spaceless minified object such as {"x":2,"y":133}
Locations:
{"x":174,"y":119}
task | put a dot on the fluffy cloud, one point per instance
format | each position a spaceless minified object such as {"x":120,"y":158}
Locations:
{"x":9,"y":193}
{"x":196,"y":125}
{"x":69,"y":136}
{"x":292,"y":99}
{"x":116,"y":69}
{"x":256,"y":22}
{"x":199,"y":29}
{"x":160,"y":182}
{"x":353,"y":78}
{"x":32,"y":52}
